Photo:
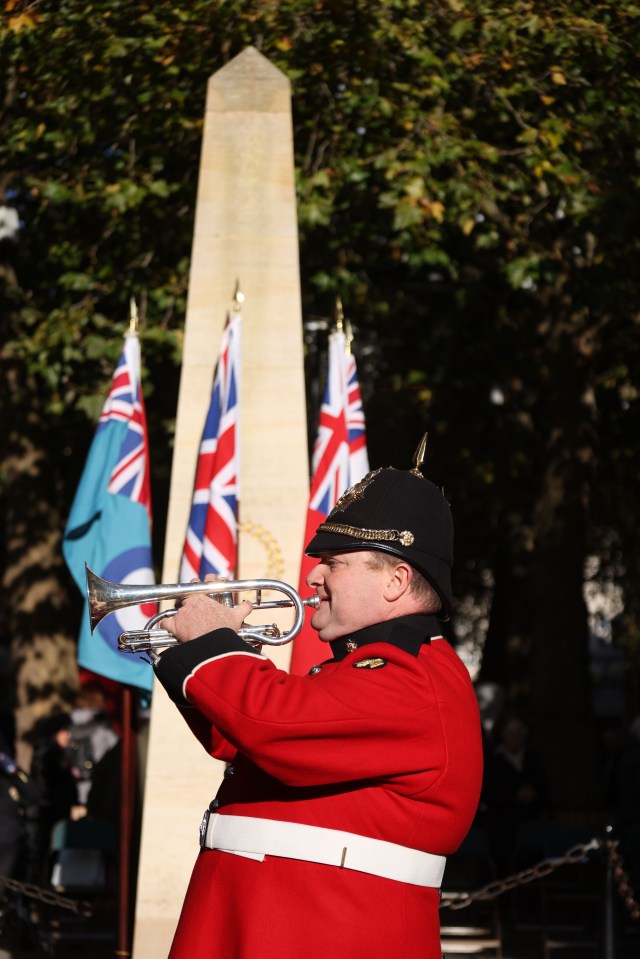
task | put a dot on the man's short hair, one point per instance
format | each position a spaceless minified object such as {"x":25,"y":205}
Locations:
{"x":420,"y":586}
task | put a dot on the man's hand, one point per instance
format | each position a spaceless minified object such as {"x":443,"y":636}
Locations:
{"x":199,"y":613}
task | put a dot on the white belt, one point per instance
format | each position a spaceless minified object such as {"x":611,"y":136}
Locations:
{"x":258,"y":838}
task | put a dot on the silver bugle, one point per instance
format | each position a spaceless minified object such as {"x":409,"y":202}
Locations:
{"x":104,"y":598}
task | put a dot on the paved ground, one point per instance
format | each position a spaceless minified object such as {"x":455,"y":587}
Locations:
{"x":529,"y":947}
{"x":78,"y":951}
{"x":16,"y":943}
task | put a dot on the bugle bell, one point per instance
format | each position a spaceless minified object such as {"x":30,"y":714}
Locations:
{"x":104,"y":598}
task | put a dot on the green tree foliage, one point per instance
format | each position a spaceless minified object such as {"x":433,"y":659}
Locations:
{"x":467,"y":183}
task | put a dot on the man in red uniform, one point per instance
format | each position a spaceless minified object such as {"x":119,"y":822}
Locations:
{"x":346,"y":788}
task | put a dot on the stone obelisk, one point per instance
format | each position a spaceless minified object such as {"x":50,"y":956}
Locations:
{"x":245,"y":231}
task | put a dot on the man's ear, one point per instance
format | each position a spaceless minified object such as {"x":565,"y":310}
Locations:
{"x":398,"y":581}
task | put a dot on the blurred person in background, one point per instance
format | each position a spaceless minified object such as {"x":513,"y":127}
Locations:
{"x":92,"y":736}
{"x":56,"y":779}
{"x":18,"y":802}
{"x":515,"y":789}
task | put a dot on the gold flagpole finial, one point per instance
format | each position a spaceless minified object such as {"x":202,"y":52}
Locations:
{"x":419,"y":456}
{"x":238,"y":297}
{"x":343,"y":325}
{"x":133,"y":317}
{"x":348,"y":336}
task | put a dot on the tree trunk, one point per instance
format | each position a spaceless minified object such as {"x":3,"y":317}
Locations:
{"x":39,"y":606}
{"x":560,"y":699}
{"x":505,"y":658}
{"x":39,"y":612}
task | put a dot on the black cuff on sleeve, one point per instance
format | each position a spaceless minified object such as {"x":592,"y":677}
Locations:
{"x":177,"y":662}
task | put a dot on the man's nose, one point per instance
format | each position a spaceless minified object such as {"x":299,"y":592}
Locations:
{"x":315,"y":577}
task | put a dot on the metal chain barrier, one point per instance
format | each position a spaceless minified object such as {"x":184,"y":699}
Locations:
{"x":622,"y":879}
{"x":47,"y":896}
{"x":453,"y":900}
{"x":460,"y":900}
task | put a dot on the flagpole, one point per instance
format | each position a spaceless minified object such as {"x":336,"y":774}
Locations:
{"x":127,"y":800}
{"x":238,"y":300}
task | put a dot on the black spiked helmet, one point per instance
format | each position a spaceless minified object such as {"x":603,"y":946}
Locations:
{"x":399,"y":512}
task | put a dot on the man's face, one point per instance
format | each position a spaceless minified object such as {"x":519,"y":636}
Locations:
{"x":350,"y":591}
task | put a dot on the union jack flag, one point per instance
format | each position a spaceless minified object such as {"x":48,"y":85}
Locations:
{"x":339,"y":460}
{"x":211,"y":543}
{"x":109,"y":525}
{"x":125,"y":403}
{"x":330,"y":461}
{"x":357,"y":438}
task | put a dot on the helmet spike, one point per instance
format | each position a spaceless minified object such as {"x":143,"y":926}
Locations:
{"x":419,"y":456}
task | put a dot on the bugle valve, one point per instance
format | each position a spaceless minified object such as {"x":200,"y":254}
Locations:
{"x":104,"y":598}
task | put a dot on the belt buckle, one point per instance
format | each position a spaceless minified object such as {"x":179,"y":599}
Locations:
{"x":203,"y":828}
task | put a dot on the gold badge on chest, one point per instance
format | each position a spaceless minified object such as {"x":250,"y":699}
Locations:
{"x":374,"y":663}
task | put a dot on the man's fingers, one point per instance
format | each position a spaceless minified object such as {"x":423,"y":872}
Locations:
{"x":167,"y":624}
{"x":246,"y":606}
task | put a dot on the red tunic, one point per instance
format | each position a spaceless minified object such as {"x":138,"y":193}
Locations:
{"x":390,"y":750}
